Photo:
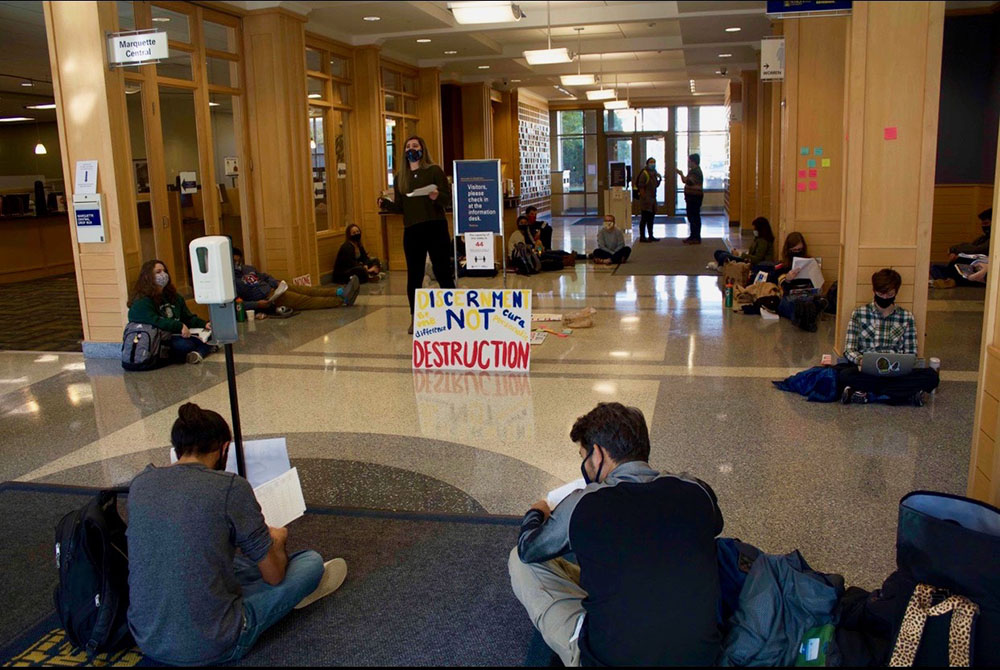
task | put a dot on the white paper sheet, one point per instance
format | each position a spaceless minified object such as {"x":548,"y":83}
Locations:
{"x":809,"y":268}
{"x":265,"y":459}
{"x":556,"y":496}
{"x":281,"y":499}
{"x":423,"y":190}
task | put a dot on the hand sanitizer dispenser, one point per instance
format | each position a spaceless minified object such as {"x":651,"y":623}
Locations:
{"x":215,"y":284}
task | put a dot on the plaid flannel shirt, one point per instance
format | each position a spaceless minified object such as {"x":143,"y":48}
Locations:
{"x":869,"y":331}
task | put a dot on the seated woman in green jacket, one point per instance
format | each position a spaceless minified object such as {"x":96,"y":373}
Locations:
{"x":156,"y":302}
{"x":761,"y":250}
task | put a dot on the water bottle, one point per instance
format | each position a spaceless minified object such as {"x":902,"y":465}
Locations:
{"x":729,"y":294}
{"x":241,"y":314}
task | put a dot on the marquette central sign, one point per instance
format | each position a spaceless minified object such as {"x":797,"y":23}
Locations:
{"x":137,"y":48}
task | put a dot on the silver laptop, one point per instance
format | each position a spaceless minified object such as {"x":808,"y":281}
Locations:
{"x":887,"y":364}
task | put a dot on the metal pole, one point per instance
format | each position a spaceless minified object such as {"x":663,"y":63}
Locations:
{"x":234,"y":406}
{"x":503,"y":255}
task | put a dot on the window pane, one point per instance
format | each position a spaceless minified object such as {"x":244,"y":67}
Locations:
{"x":571,"y":158}
{"x":181,"y":161}
{"x":176,"y":65}
{"x":173,"y":23}
{"x":682,"y":122}
{"x":620,"y":151}
{"x":391,"y":103}
{"x":140,"y":169}
{"x":219,"y":37}
{"x":409,"y":105}
{"x":340,"y":94}
{"x":340,"y":203}
{"x":314,"y":60}
{"x":654,"y":118}
{"x":590,"y":121}
{"x":391,"y":136}
{"x":222,"y":72}
{"x":712,"y":118}
{"x":225,"y":120}
{"x":338,"y":67}
{"x":317,"y":153}
{"x":714,"y":150}
{"x":126,"y":16}
{"x":590,"y":157}
{"x":570,"y":123}
{"x":615,"y":121}
{"x":315,"y":88}
{"x":409,"y":84}
{"x":390,"y":80}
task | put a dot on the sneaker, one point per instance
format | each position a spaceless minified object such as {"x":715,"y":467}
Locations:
{"x":334,"y":574}
{"x":690,"y":241}
{"x":821,"y":305}
{"x":278,"y":292}
{"x":859,"y":398}
{"x":918,"y":399}
{"x":654,"y":239}
{"x":944,"y":283}
{"x":194,"y":358}
{"x":350,"y":291}
{"x":712,"y":265}
{"x":845,"y":397}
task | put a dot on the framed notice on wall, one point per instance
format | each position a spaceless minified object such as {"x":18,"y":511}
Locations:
{"x":772,"y":59}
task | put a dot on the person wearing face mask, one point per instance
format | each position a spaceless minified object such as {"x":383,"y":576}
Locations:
{"x":353,"y":260}
{"x":192,"y":599}
{"x":947,"y":275}
{"x":611,"y":249}
{"x":623,"y":571}
{"x":425,"y":229}
{"x":550,"y":259}
{"x":156,"y":302}
{"x":263,"y":293}
{"x":646,"y":182}
{"x":882,"y":326}
{"x":694,"y":195}
{"x":762,"y":249}
{"x":541,"y":230}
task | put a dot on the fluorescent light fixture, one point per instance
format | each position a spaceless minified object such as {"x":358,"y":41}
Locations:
{"x":40,"y":149}
{"x":48,"y":105}
{"x":215,"y":104}
{"x":161,"y":19}
{"x":12,"y":119}
{"x":423,"y":40}
{"x":450,"y":52}
{"x":577,"y":79}
{"x":485,"y":12}
{"x":27,"y":82}
{"x":373,"y":18}
{"x":516,"y":81}
{"x":602,"y":94}
{"x":733,"y":29}
{"x":484,"y":67}
{"x":315,"y":95}
{"x":547,"y":56}
{"x":725,"y":55}
{"x":616,"y":104}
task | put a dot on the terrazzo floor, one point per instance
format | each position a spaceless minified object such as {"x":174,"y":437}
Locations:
{"x":367,"y":431}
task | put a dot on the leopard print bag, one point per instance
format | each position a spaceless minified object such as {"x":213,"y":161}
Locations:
{"x":920,"y":608}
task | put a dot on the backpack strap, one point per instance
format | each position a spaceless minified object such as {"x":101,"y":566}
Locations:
{"x":920,"y":608}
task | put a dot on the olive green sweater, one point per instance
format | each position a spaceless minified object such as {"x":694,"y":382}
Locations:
{"x":421,"y":208}
{"x":761,"y":250}
{"x":170,"y":316}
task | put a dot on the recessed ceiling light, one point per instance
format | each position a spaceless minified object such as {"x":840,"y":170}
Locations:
{"x":423,"y":40}
{"x":214,"y":104}
{"x":315,"y":95}
{"x":11,"y":119}
{"x":725,"y":55}
{"x":484,"y":67}
{"x":48,"y":105}
{"x":373,"y":18}
{"x":26,"y":82}
{"x":450,"y":52}
{"x":733,"y":29}
{"x":161,"y":19}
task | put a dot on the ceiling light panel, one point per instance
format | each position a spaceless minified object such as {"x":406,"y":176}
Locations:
{"x":547,"y":56}
{"x":602,"y":94}
{"x":485,"y":11}
{"x":577,"y":79}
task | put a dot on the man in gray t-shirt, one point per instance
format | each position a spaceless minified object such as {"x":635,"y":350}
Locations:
{"x":694,"y":194}
{"x":193,"y":600}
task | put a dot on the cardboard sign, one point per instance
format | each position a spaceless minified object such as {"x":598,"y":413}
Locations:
{"x":472,"y":329}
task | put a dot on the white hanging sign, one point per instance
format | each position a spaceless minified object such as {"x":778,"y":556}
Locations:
{"x":772,"y":59}
{"x":479,"y":251}
{"x":137,"y":48}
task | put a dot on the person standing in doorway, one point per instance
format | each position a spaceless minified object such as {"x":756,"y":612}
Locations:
{"x":425,"y":229}
{"x":694,"y":194}
{"x":646,"y":183}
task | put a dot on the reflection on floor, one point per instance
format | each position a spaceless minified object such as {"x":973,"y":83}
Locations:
{"x":366,"y":431}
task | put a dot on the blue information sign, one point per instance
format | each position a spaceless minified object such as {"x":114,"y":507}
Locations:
{"x":478,"y":202}
{"x":807,"y":6}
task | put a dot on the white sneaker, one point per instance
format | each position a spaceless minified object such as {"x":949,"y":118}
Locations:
{"x":282,"y":287}
{"x":334,"y":574}
{"x":194,"y":358}
{"x":712,"y":265}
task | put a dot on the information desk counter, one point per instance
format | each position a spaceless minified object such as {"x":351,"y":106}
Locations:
{"x":392,"y":233}
{"x":35,"y":247}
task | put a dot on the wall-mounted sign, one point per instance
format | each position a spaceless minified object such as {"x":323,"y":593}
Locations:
{"x":791,"y":9}
{"x":232,"y":166}
{"x":189,"y":182}
{"x":86,"y":177}
{"x":137,"y":47}
{"x":772,"y":59}
{"x":89,"y":217}
{"x":478,"y":197}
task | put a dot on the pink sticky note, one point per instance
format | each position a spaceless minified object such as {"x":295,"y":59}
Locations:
{"x":801,"y":186}
{"x":890,"y":132}
{"x":812,"y":172}
{"x":812,"y":185}
{"x":802,"y":174}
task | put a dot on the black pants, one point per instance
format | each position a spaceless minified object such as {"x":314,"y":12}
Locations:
{"x":544,"y":232}
{"x":619,"y":256}
{"x":359,"y":271}
{"x":646,"y":219}
{"x":899,"y":389}
{"x":693,"y":205}
{"x":429,"y":237}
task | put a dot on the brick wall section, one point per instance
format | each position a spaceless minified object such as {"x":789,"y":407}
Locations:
{"x":533,"y":140}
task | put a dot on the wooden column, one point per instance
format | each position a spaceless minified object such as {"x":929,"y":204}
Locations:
{"x":815,"y":52}
{"x":734,"y":101}
{"x":371,"y":168}
{"x":429,"y":111}
{"x":274,"y":57}
{"x":477,"y":121}
{"x":984,"y":464}
{"x":93,"y":124}
{"x":748,"y":150}
{"x":892,"y":122}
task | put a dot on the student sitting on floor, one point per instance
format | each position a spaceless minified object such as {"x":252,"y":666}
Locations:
{"x":642,"y":586}
{"x":155,"y":301}
{"x":192,"y":600}
{"x":794,"y":247}
{"x":262,"y":292}
{"x":353,"y":260}
{"x":760,"y":251}
{"x":611,"y":249}
{"x":882,"y":327}
{"x":550,"y":259}
{"x":948,"y":276}
{"x":540,"y":230}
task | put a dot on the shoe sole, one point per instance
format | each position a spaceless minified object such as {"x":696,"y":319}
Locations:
{"x":194,"y":358}
{"x":334,"y":574}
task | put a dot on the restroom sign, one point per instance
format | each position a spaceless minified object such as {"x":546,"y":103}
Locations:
{"x":137,"y":47}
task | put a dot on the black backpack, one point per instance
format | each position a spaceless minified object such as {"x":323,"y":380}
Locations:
{"x":144,"y":347}
{"x":92,"y":557}
{"x":526,"y":261}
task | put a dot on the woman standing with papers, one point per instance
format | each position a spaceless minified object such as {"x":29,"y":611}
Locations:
{"x":421,"y":194}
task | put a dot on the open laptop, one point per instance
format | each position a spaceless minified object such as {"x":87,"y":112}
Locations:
{"x":887,"y":364}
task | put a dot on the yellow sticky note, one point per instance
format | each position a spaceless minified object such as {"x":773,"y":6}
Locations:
{"x":826,"y":162}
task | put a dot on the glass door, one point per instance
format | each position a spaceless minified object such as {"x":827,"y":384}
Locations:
{"x":655,"y":147}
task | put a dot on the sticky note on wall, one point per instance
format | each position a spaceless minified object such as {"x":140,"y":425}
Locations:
{"x":811,"y":163}
{"x":801,"y":186}
{"x":818,"y":151}
{"x":804,"y":151}
{"x":826,"y":162}
{"x":812,"y":185}
{"x":890,"y":133}
{"x":802,"y":174}
{"x":813,"y":172}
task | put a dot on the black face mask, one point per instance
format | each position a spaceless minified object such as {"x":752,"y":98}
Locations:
{"x":356,"y":237}
{"x":986,"y":230}
{"x":884,"y":302}
{"x":414,"y":155}
{"x":583,"y":468}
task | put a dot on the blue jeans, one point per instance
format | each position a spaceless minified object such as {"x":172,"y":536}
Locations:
{"x":265,"y":605}
{"x":180,"y":347}
{"x":722,"y":257}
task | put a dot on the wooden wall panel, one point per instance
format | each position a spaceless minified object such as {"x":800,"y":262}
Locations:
{"x":370,"y":174}
{"x":429,"y":111}
{"x":477,"y":121}
{"x":955,"y":218}
{"x":748,"y":149}
{"x":734,"y":100}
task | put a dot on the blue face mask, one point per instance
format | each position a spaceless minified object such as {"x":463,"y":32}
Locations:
{"x":583,"y":468}
{"x":414,"y":155}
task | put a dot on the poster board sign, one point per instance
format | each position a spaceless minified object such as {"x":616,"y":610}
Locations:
{"x":617,"y":178}
{"x":472,"y":329}
{"x":137,"y":47}
{"x":88,"y":214}
{"x":791,"y":9}
{"x":772,"y":59}
{"x":478,"y":197}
